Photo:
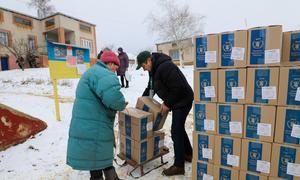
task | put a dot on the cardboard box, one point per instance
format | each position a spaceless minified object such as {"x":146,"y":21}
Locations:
{"x":259,"y":122}
{"x":249,"y":176}
{"x":138,"y":151}
{"x":203,"y":147}
{"x":206,"y":85}
{"x":287,"y":125}
{"x":205,"y":117}
{"x":221,"y":172}
{"x":136,"y":124}
{"x":265,"y":44}
{"x":232,"y":86}
{"x":230,"y":120}
{"x":262,"y":86}
{"x":285,"y":161}
{"x":289,"y":83}
{"x":227,"y":151}
{"x":256,"y":156}
{"x":291,"y":48}
{"x":158,"y":142}
{"x":200,"y":169}
{"x":151,"y":105}
{"x":233,"y":49}
{"x":206,"y":51}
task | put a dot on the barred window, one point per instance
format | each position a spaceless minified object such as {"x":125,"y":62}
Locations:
{"x":4,"y":38}
{"x":23,"y":21}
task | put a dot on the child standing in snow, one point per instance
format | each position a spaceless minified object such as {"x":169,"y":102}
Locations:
{"x":91,"y":138}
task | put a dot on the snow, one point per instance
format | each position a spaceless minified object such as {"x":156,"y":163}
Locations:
{"x":44,"y":155}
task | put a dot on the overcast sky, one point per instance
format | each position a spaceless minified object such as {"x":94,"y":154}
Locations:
{"x":122,"y":22}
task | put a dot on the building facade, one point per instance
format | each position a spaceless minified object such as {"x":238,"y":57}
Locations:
{"x":170,"y":48}
{"x":58,"y":27}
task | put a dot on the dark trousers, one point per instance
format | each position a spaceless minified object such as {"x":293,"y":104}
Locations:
{"x":96,"y":174}
{"x":122,"y":81}
{"x":180,"y":139}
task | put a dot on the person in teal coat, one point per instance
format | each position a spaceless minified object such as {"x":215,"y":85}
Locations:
{"x":91,"y":133}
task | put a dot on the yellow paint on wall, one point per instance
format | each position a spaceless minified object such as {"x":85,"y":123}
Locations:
{"x":60,"y":70}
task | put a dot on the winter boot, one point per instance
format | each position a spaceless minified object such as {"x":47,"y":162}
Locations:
{"x":173,"y":170}
{"x":96,"y":175}
{"x":110,"y":174}
{"x":188,"y":157}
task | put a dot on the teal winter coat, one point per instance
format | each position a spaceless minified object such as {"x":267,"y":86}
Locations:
{"x":98,"y":98}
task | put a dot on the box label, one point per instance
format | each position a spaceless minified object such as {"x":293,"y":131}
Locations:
{"x":143,"y":128}
{"x":205,"y":80}
{"x":262,"y":79}
{"x":293,"y":85}
{"x":293,"y":169}
{"x":156,"y":145}
{"x":292,"y":117}
{"x":238,"y":92}
{"x":272,"y":56}
{"x":254,"y":154}
{"x":225,"y":174}
{"x":201,"y":170}
{"x":269,"y":92}
{"x":127,"y":125}
{"x":224,"y":119}
{"x":209,"y":125}
{"x":226,"y":148}
{"x":207,"y":177}
{"x":231,"y":80}
{"x":263,"y":166}
{"x":143,"y":151}
{"x":200,"y":115}
{"x":237,"y":53}
{"x":295,"y":47}
{"x":287,"y":155}
{"x":296,"y":131}
{"x":251,"y":177}
{"x":202,"y":143}
{"x":201,"y":47}
{"x":257,"y":46}
{"x":157,"y":121}
{"x":264,"y":129}
{"x":297,"y":97}
{"x":233,"y":160}
{"x":210,"y":56}
{"x":227,"y":42}
{"x":210,"y":91}
{"x":235,"y":127}
{"x":128,"y":148}
{"x":252,"y":119}
{"x":207,"y":153}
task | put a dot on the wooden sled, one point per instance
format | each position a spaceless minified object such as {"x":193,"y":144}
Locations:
{"x":136,"y":165}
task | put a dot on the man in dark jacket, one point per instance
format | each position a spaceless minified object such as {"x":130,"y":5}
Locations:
{"x":124,"y":62}
{"x":167,"y":81}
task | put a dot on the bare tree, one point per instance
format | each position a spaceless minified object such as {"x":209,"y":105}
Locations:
{"x":43,"y":7}
{"x":23,"y":53}
{"x":176,"y":24}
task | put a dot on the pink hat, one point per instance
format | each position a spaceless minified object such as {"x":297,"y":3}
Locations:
{"x":109,"y":56}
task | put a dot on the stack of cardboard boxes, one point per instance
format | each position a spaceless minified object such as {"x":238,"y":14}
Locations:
{"x":247,"y":105}
{"x":139,"y":136}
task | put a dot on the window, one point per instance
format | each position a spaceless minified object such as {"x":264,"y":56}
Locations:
{"x":31,"y":42}
{"x":174,"y":54}
{"x":49,"y":23}
{"x":85,"y":28}
{"x":22,"y":21}
{"x":1,"y":16}
{"x":87,"y":43}
{"x":4,"y":38}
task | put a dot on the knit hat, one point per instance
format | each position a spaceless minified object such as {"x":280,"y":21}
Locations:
{"x":109,"y":56}
{"x":142,"y":57}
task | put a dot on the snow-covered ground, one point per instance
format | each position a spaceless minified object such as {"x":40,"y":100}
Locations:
{"x":44,"y":156}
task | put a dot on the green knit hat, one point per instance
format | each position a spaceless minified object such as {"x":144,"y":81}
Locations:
{"x":142,"y":57}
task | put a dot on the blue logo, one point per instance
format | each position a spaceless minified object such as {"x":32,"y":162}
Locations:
{"x":201,"y":49}
{"x":285,"y":159}
{"x":231,"y":83}
{"x":261,"y":83}
{"x":295,"y":84}
{"x":224,"y":117}
{"x":258,"y":43}
{"x":296,"y":46}
{"x":254,"y":154}
{"x":253,"y":120}
{"x":227,"y":47}
{"x":224,"y":177}
{"x":202,"y":144}
{"x":291,"y":123}
{"x":226,"y":149}
{"x":205,"y":83}
{"x":200,"y":115}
